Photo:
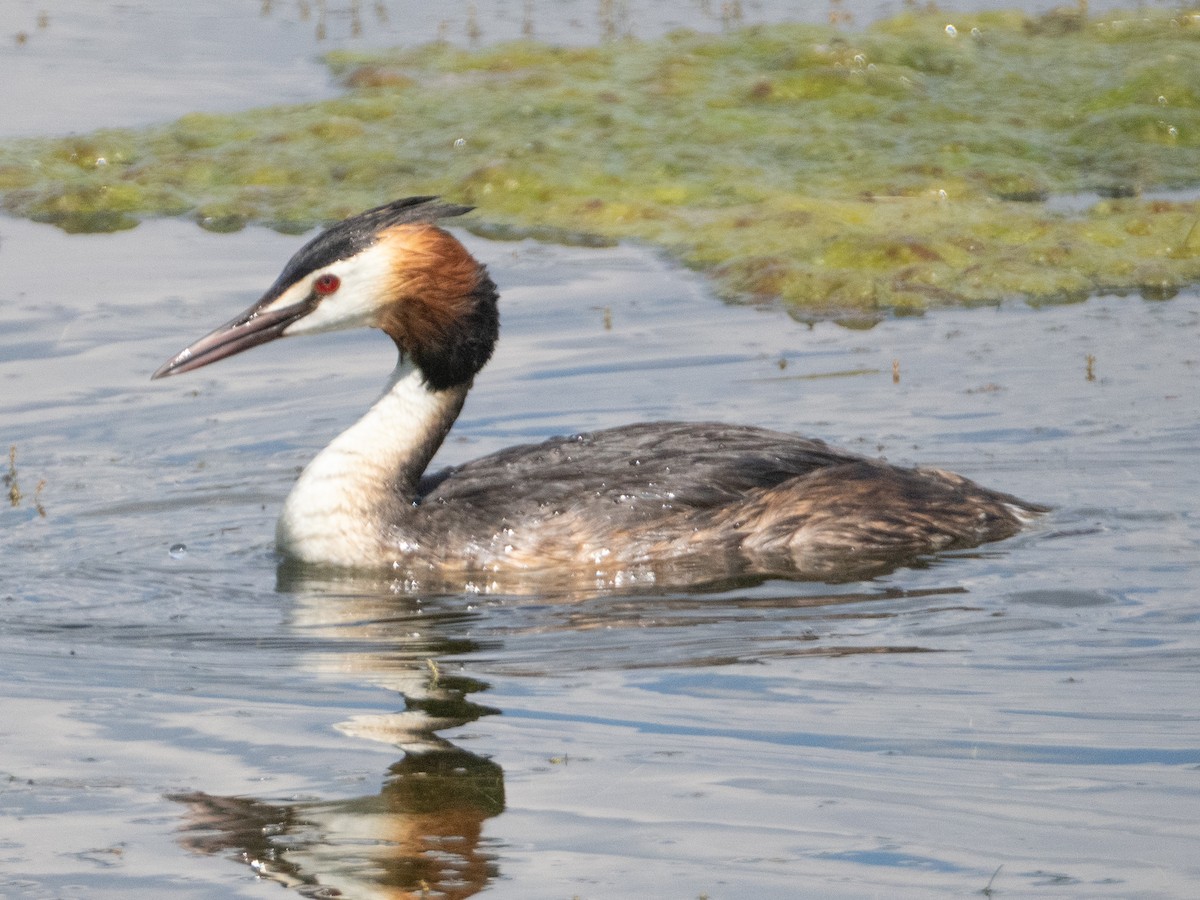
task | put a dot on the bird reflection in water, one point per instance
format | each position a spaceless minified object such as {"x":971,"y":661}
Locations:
{"x":422,"y":834}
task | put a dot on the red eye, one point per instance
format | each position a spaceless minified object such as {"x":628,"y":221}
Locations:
{"x":326,"y":284}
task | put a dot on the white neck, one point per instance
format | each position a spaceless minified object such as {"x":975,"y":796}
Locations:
{"x":337,"y":513}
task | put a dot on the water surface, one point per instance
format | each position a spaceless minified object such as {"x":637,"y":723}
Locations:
{"x":180,"y":716}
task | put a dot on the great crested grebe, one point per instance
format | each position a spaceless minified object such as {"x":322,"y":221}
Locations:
{"x":677,"y":501}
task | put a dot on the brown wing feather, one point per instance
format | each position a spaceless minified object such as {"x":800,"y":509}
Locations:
{"x":746,"y":498}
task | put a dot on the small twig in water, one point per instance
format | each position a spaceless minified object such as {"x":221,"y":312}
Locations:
{"x":987,"y":889}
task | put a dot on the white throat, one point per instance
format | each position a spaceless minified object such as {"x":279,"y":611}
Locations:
{"x":337,"y":512}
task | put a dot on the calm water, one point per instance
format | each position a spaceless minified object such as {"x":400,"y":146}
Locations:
{"x":1030,"y":707}
{"x":179,"y":717}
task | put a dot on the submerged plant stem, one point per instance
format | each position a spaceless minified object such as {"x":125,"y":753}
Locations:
{"x":10,"y":478}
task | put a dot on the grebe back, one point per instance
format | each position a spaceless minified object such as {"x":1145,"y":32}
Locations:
{"x":668,"y":500}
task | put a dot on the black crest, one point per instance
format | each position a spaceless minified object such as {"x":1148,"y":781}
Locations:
{"x":357,"y":233}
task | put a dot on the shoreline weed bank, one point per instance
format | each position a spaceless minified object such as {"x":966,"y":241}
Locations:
{"x":930,"y":159}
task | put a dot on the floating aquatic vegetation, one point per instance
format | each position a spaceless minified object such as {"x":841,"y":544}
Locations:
{"x":889,"y":169}
{"x":13,"y":484}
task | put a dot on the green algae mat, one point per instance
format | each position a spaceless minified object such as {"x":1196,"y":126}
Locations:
{"x":930,"y":159}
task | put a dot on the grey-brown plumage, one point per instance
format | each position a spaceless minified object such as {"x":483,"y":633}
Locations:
{"x":725,"y":499}
{"x":673,"y":502}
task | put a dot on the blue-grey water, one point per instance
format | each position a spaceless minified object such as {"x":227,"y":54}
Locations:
{"x":179,"y":717}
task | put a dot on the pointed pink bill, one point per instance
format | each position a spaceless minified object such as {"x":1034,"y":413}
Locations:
{"x":251,"y":328}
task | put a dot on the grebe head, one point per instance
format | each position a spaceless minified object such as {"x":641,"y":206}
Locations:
{"x":389,"y":268}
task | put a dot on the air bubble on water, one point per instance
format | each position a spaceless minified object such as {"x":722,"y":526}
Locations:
{"x":178,"y":551}
{"x":459,"y":143}
{"x":1162,"y":101}
{"x":952,"y":31}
